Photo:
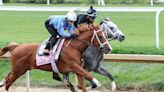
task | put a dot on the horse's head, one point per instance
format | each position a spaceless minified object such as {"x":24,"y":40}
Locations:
{"x":111,"y":30}
{"x":95,"y":36}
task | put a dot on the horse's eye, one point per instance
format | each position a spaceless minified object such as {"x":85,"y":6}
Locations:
{"x":111,"y":27}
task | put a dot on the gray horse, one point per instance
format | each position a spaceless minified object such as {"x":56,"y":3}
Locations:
{"x":93,"y":57}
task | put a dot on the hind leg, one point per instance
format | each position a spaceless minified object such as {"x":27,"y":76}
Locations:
{"x":12,"y":77}
{"x":2,"y":83}
{"x":81,"y":81}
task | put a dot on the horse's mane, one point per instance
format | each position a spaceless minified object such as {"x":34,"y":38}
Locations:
{"x":85,"y":27}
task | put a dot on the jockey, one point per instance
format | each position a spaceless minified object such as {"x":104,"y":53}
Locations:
{"x":86,"y":18}
{"x":81,"y":18}
{"x":59,"y":25}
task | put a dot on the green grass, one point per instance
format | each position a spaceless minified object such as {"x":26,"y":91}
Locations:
{"x":86,"y":4}
{"x":139,"y":28}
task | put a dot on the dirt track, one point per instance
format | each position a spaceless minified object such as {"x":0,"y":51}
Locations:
{"x":42,"y":89}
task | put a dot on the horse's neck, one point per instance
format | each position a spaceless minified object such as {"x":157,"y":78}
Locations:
{"x":85,"y":38}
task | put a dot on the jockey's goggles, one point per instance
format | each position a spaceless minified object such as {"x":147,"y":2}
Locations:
{"x":93,"y":15}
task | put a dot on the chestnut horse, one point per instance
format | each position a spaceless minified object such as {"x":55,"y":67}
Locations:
{"x":24,"y":56}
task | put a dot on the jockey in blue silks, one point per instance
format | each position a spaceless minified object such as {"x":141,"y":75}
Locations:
{"x":60,"y":25}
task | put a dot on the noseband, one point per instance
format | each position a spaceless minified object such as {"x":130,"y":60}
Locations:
{"x":95,"y":35}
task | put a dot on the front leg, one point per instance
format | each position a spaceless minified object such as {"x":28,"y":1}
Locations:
{"x":104,"y":72}
{"x":82,"y":83}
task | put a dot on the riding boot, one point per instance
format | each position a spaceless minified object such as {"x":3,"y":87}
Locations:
{"x":51,"y":42}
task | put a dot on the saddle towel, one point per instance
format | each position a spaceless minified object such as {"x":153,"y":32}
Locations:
{"x":52,"y":58}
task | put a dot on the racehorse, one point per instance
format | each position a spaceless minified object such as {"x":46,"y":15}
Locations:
{"x":24,"y":56}
{"x":93,"y":56}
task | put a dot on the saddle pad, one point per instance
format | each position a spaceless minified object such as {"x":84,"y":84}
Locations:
{"x":42,"y":59}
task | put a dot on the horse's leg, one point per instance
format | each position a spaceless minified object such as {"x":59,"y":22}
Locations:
{"x":68,"y":83}
{"x":81,"y":82}
{"x":104,"y":72}
{"x":2,"y":83}
{"x":71,"y":86}
{"x":56,"y":77}
{"x":80,"y":71}
{"x":14,"y":74}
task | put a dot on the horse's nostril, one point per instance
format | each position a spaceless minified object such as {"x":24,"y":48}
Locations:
{"x":123,"y":36}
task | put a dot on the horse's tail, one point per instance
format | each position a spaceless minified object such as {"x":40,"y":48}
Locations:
{"x":9,"y":48}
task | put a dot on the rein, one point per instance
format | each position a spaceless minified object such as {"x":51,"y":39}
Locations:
{"x":83,"y":41}
{"x":111,"y":39}
{"x":95,"y":35}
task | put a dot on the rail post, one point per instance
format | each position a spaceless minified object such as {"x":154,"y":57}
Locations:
{"x":151,"y":2}
{"x":157,"y":28}
{"x":27,"y":81}
{"x":1,"y":2}
{"x":48,"y":2}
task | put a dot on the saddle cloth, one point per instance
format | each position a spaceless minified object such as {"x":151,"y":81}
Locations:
{"x":52,"y":58}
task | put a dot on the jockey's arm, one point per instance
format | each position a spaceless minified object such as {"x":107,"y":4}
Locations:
{"x":72,"y":29}
{"x":62,"y":32}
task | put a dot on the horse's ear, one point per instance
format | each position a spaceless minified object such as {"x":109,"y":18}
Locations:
{"x":107,"y":19}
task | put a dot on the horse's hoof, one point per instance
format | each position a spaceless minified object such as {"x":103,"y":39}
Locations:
{"x":6,"y":91}
{"x":114,"y":88}
{"x":1,"y":84}
{"x":96,"y":83}
{"x":94,"y":86}
{"x":73,"y":89}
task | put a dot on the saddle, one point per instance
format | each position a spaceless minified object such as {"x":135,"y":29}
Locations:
{"x":42,"y":59}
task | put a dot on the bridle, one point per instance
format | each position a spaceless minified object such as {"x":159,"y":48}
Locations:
{"x":114,"y":34}
{"x":95,"y":32}
{"x":95,"y":35}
